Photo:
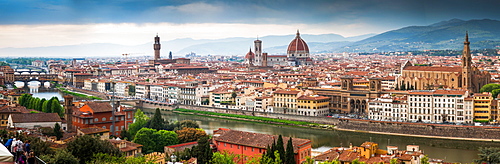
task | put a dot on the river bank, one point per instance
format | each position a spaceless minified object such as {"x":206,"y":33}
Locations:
{"x":449,"y":132}
{"x":265,"y":120}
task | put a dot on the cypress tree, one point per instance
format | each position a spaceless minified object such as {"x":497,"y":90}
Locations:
{"x":290,"y":155}
{"x":157,"y":121}
{"x":40,"y":105}
{"x":280,"y":147}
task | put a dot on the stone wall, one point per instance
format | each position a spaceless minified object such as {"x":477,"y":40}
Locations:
{"x":482,"y":132}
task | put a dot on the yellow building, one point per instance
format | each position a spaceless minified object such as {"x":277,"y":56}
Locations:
{"x":313,"y":105}
{"x":220,"y":97}
{"x":368,"y":149}
{"x":286,"y":101}
{"x":482,"y":107}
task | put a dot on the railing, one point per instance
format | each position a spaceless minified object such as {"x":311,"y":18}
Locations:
{"x":39,"y":161}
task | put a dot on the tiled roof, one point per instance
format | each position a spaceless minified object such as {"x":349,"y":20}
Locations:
{"x":93,"y":130}
{"x":35,"y":117}
{"x":287,"y":92}
{"x":437,"y":69}
{"x":98,"y":107}
{"x":257,"y":140}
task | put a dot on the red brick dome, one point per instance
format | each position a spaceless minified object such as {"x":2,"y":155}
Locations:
{"x":297,"y":45}
{"x":250,"y":55}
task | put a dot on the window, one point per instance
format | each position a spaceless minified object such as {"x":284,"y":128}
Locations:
{"x":104,"y":119}
{"x":96,"y":120}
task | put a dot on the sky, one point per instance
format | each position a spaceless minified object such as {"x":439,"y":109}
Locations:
{"x":34,"y":23}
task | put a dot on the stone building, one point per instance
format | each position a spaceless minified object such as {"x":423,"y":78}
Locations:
{"x":427,"y":77}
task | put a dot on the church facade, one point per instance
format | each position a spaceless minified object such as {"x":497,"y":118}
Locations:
{"x":428,"y":78}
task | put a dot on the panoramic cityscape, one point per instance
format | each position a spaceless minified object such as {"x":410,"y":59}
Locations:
{"x":250,"y":82}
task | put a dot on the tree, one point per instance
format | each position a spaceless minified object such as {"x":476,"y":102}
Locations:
{"x":289,"y":154}
{"x":188,"y":124}
{"x":157,"y":122}
{"x":56,"y":107}
{"x":140,"y":120}
{"x":495,"y":92}
{"x":84,"y":147}
{"x":424,"y":160}
{"x":61,"y":157}
{"x":125,"y":135}
{"x":224,"y":158}
{"x":47,"y":106}
{"x":190,"y":134}
{"x":40,"y":105}
{"x":164,"y":138}
{"x":281,"y":148}
{"x":153,"y":140}
{"x":489,"y":87}
{"x":233,"y":95}
{"x":57,"y":131}
{"x":394,"y":161}
{"x":203,"y":151}
{"x":488,"y":155}
{"x":145,"y":138}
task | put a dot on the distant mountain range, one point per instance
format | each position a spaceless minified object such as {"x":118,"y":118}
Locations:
{"x":443,"y":35}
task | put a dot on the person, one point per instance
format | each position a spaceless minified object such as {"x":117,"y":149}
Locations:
{"x":22,"y":158}
{"x":31,"y":158}
{"x":9,"y":143}
{"x":27,"y":146}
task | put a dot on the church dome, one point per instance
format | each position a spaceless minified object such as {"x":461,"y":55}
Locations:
{"x":250,"y":55}
{"x":297,"y":45}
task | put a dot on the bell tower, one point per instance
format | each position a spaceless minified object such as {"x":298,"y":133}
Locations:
{"x":258,"y":52}
{"x":467,"y":65}
{"x":157,"y":47}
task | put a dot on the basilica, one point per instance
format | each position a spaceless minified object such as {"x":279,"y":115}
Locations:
{"x":428,"y":77}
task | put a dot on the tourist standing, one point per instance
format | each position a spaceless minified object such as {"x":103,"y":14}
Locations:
{"x":31,"y":157}
{"x":9,"y":143}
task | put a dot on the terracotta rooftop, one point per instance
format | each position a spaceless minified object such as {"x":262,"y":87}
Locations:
{"x":35,"y":117}
{"x":437,"y":69}
{"x":93,"y":130}
{"x":257,"y":140}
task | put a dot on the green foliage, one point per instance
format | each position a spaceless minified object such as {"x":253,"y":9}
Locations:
{"x":153,"y":140}
{"x":488,"y":155}
{"x":57,"y":131}
{"x":289,"y":158}
{"x":489,"y":87}
{"x":495,"y":92}
{"x":125,"y":135}
{"x":101,"y":158}
{"x":281,"y":148}
{"x":394,"y":161}
{"x":61,"y":157}
{"x":34,"y":112}
{"x":140,"y":121}
{"x":56,"y":107}
{"x":223,"y":158}
{"x":424,"y":160}
{"x":40,"y":147}
{"x":265,"y":119}
{"x":157,"y":122}
{"x":84,"y":147}
{"x":202,"y":151}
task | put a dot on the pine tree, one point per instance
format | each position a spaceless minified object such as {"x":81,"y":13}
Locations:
{"x":290,"y":155}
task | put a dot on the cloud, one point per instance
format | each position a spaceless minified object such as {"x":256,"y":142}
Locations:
{"x":197,"y":8}
{"x":19,"y":36}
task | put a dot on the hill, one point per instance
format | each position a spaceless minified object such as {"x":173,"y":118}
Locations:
{"x":443,"y":35}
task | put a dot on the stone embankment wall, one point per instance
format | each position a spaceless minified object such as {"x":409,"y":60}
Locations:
{"x":482,"y":132}
{"x":319,"y":120}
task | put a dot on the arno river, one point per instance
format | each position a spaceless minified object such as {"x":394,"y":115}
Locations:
{"x":322,"y":140}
